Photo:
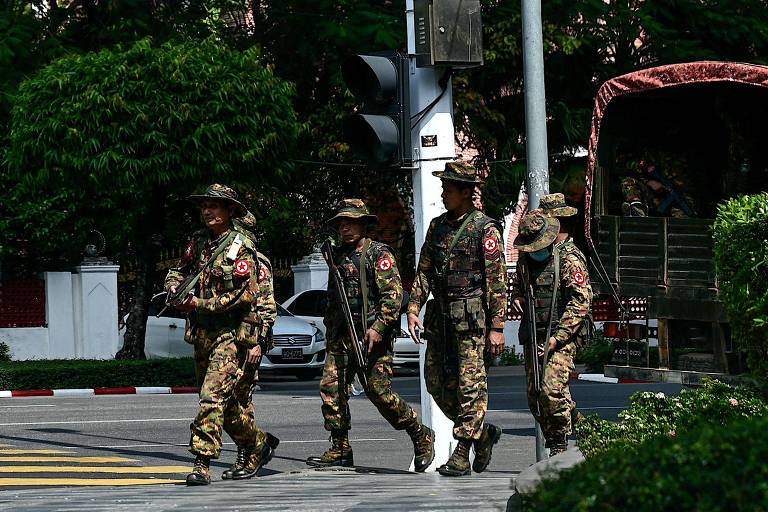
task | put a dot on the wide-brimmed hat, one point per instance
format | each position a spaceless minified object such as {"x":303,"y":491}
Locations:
{"x":219,"y":192}
{"x":536,"y":231}
{"x":352,"y":209}
{"x":554,"y":206}
{"x":459,"y":171}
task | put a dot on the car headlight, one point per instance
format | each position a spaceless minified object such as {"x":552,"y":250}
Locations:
{"x":319,"y":336}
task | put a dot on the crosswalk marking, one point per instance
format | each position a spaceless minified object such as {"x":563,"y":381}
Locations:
{"x":101,"y":482}
{"x":138,"y":470}
{"x":30,"y":452}
{"x":92,"y":460}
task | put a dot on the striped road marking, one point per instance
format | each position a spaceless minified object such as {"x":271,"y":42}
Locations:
{"x":138,"y":470}
{"x":31,"y":452}
{"x":92,"y":460}
{"x":101,"y":482}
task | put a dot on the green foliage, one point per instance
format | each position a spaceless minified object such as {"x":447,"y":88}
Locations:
{"x":101,"y":140}
{"x":83,"y":373}
{"x":510,"y":358}
{"x":709,"y":469}
{"x":597,"y":353}
{"x":657,"y":415}
{"x":5,"y":352}
{"x":741,"y":237}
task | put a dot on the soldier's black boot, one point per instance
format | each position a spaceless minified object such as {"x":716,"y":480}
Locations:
{"x":484,"y":447}
{"x":558,"y":445}
{"x":339,"y":454}
{"x":242,"y":456}
{"x":458,"y":463}
{"x":423,"y":439}
{"x":201,"y":474}
{"x":257,"y":459}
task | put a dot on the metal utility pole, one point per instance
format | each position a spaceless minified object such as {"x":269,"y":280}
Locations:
{"x":535,"y":126}
{"x":433,"y":144}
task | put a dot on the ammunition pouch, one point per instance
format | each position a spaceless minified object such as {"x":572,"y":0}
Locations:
{"x":467,"y":314}
{"x":432,"y":321}
{"x":250,"y":333}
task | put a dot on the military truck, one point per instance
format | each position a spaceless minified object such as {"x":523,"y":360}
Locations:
{"x":667,"y":145}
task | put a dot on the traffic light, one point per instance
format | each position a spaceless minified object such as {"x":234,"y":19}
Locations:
{"x":380,"y":132}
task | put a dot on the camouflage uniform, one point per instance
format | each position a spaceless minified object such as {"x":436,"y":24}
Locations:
{"x":554,"y":407}
{"x":385,"y":297}
{"x":469,"y":288}
{"x":235,"y":312}
{"x":639,"y":197}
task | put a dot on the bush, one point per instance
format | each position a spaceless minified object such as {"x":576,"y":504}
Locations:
{"x":597,"y":353}
{"x":741,"y":236}
{"x":66,"y":374}
{"x":711,"y":468}
{"x":510,"y":358}
{"x":657,"y":415}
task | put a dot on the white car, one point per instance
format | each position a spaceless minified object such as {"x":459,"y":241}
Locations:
{"x":299,"y":346}
{"x":310,"y":305}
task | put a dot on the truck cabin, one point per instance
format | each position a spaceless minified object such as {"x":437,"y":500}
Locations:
{"x":668,"y":145}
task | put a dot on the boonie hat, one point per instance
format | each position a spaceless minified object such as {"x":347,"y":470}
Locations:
{"x":554,"y":206}
{"x":352,"y":209}
{"x":459,"y":171}
{"x":536,"y":231}
{"x":221,"y":192}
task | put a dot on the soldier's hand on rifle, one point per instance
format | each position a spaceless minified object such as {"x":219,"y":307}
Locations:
{"x":413,"y":324}
{"x":372,"y":338}
{"x":517,"y":306}
{"x":188,"y":304}
{"x":496,"y":340}
{"x":254,"y":354}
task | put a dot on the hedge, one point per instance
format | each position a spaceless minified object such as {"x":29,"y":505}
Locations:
{"x":82,"y":373}
{"x":741,"y":260}
{"x":658,"y":415}
{"x":708,"y":469}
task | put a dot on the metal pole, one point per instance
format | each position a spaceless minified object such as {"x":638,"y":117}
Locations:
{"x":535,"y":126}
{"x":427,"y":204}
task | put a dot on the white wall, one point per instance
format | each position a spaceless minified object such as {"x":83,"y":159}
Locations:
{"x":26,"y":342}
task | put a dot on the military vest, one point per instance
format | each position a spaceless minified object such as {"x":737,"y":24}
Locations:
{"x":542,"y":278}
{"x":348,"y":261}
{"x":464,"y":274}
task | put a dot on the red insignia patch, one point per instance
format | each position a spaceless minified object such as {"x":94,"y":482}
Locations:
{"x":490,"y":244}
{"x":385,"y":264}
{"x":242,"y":268}
{"x":262,"y":273}
{"x":579,"y":278}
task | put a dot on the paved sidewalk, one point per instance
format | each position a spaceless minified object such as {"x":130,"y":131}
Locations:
{"x":307,"y":490}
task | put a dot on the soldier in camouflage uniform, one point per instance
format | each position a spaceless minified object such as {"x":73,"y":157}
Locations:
{"x":229,"y":322}
{"x":462,"y":265}
{"x":375,"y":295}
{"x":664,"y":192}
{"x":555,"y":269}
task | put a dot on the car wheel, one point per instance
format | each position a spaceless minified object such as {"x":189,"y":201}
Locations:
{"x":307,"y":374}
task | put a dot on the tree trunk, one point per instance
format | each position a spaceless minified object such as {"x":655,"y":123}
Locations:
{"x":136,"y":324}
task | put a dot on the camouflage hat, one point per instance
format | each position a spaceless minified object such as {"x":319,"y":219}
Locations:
{"x":352,"y":209}
{"x":554,"y":205}
{"x":459,"y":171}
{"x":536,"y":231}
{"x":223,"y":193}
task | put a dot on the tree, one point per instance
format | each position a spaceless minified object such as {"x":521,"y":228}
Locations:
{"x":110,"y":140}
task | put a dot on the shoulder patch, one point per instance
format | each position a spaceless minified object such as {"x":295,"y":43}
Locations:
{"x":579,"y":277}
{"x":490,"y":244}
{"x":263,"y":272}
{"x":242,"y":268}
{"x":384,"y":263}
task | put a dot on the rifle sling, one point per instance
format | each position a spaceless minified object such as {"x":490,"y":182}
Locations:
{"x":220,"y":249}
{"x":364,"y":281}
{"x":455,"y":240}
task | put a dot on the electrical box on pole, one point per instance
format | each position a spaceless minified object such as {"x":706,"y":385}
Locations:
{"x":448,"y":33}
{"x":380,"y":132}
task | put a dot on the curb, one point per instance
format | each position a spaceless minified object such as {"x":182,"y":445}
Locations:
{"x":127,"y":390}
{"x":599,"y":377}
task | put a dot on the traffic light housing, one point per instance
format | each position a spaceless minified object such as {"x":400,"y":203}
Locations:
{"x":379,"y":133}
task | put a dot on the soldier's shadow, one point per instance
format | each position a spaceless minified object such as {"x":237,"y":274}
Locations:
{"x":365,"y":470}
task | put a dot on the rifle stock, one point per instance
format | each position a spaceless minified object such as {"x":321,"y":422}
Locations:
{"x":358,"y":349}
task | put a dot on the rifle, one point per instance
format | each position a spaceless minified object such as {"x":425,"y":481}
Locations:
{"x":673,"y":196}
{"x":188,"y":285}
{"x":532,"y":342}
{"x":358,"y":349}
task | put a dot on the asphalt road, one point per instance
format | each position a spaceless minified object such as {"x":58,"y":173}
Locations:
{"x":112,"y":441}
